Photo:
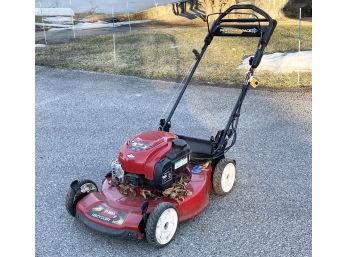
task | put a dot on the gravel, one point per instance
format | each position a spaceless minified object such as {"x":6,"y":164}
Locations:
{"x":82,"y":118}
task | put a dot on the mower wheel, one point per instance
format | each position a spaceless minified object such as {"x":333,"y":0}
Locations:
{"x":106,"y":176}
{"x":162,"y":224}
{"x":78,"y":189}
{"x":224,"y":176}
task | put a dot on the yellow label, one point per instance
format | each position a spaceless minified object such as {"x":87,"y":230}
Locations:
{"x":254,"y":82}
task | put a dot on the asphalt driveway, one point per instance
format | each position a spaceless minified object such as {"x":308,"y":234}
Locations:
{"x":82,"y":119}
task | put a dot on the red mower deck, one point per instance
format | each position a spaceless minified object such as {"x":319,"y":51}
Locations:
{"x":111,"y":212}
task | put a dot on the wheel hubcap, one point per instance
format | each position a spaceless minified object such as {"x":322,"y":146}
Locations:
{"x":228,"y":177}
{"x":166,"y":226}
{"x":87,"y":187}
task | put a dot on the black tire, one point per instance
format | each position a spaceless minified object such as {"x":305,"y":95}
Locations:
{"x":74,"y":194}
{"x":152,"y":221}
{"x":106,"y":176}
{"x":218,"y":176}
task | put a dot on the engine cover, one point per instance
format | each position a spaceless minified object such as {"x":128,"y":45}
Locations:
{"x":153,"y":156}
{"x":140,"y":153}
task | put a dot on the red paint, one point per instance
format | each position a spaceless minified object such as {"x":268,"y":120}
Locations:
{"x":157,"y":144}
{"x":143,"y":162}
{"x":189,"y":207}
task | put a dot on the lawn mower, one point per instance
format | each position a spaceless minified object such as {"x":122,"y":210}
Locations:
{"x":159,"y":178}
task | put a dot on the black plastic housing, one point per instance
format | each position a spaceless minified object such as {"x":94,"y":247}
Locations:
{"x":134,"y":179}
{"x":175,"y":161}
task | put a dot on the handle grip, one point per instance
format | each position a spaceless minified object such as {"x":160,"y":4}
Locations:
{"x":244,"y":27}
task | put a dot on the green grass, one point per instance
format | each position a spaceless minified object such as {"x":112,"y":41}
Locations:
{"x":166,"y":53}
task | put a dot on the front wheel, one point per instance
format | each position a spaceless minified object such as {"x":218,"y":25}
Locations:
{"x":78,"y":189}
{"x":224,"y":176}
{"x":162,"y":224}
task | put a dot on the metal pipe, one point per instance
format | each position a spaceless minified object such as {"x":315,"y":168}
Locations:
{"x":72,"y":21}
{"x":299,"y":41}
{"x":204,"y":48}
{"x":236,"y":110}
{"x":43,"y":24}
{"x":113,"y":35}
{"x":129,"y":23}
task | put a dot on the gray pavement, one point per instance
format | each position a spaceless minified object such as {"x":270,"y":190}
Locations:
{"x":82,"y":119}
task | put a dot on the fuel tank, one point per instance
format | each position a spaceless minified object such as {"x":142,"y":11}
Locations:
{"x":140,"y":153}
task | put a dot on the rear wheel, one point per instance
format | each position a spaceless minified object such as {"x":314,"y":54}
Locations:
{"x":224,"y":176}
{"x":162,"y":224}
{"x":78,"y":189}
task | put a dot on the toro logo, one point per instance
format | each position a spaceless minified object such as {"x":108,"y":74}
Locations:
{"x":109,"y":213}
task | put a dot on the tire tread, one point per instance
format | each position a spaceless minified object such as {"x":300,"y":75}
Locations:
{"x":73,"y":197}
{"x":218,"y":174}
{"x":150,"y":230}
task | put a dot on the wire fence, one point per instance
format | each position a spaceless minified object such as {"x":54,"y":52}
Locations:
{"x":51,"y":20}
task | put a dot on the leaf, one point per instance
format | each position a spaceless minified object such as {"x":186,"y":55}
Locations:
{"x":180,"y":191}
{"x":168,"y":191}
{"x":142,"y":193}
{"x":173,"y":195}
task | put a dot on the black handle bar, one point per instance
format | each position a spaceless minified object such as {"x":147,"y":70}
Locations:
{"x":245,"y":7}
{"x":244,"y":27}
